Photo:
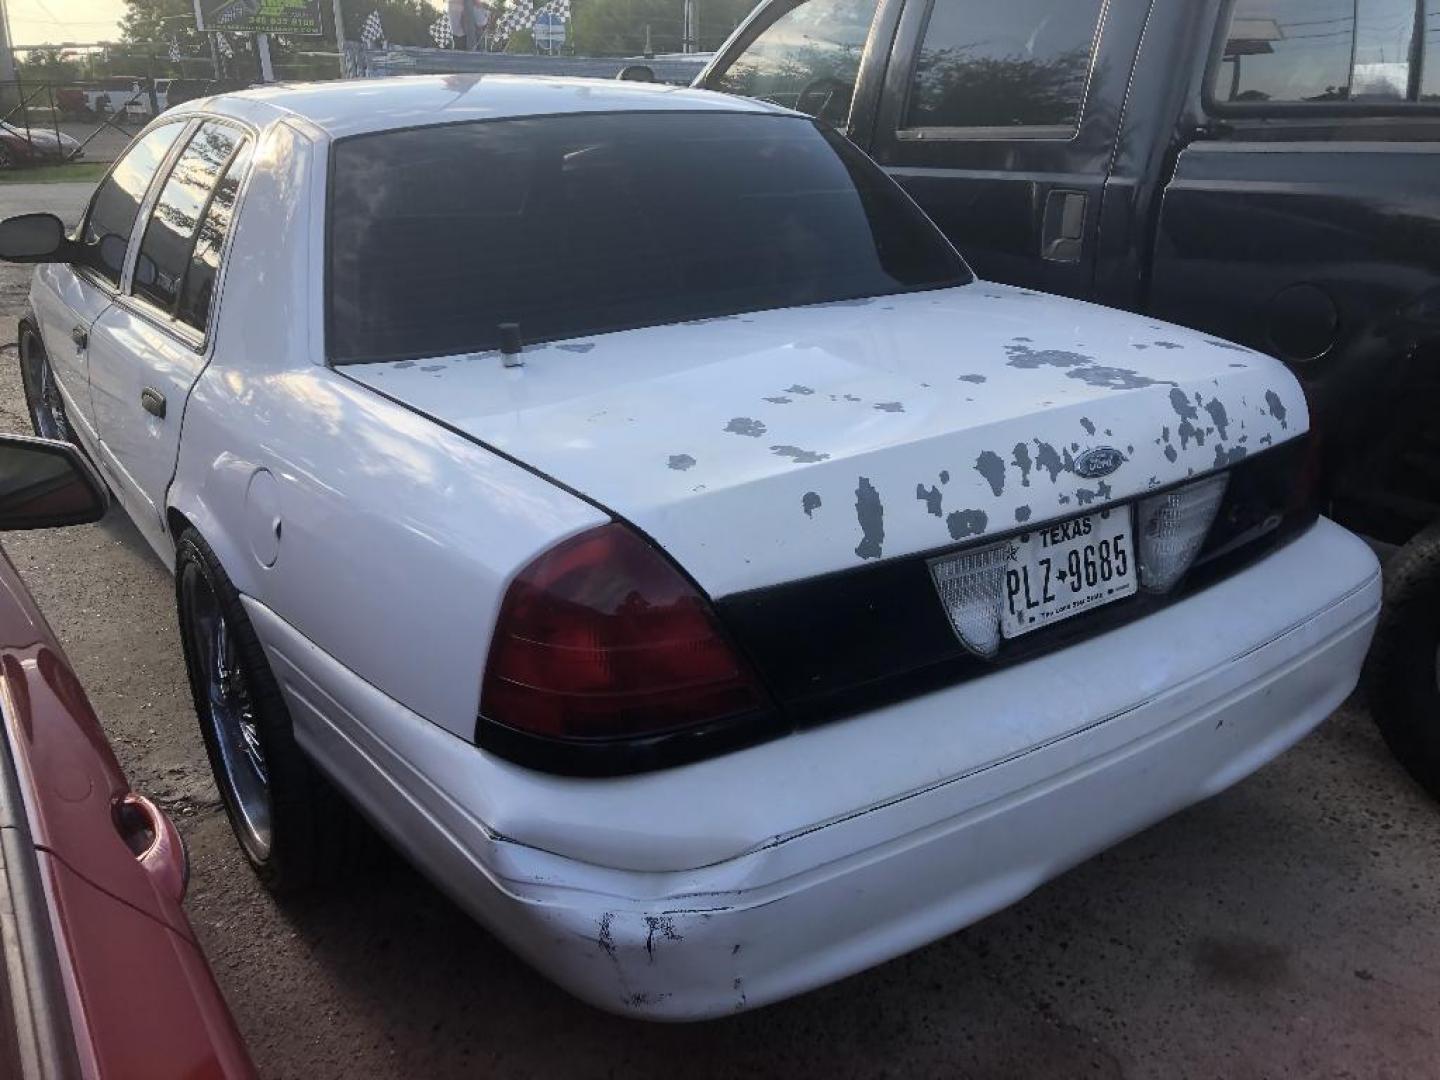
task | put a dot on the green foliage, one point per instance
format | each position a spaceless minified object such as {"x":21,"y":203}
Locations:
{"x":617,"y":27}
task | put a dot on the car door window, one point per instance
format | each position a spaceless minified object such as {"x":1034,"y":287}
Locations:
{"x":170,"y":235}
{"x":1017,"y":64}
{"x":1324,"y":51}
{"x":808,"y":59}
{"x":198,"y":289}
{"x":106,"y":232}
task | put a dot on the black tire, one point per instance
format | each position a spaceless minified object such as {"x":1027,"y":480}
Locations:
{"x":42,"y":395}
{"x":314,"y":836}
{"x":1402,"y":675}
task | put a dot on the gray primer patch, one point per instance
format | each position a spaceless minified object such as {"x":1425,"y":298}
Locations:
{"x":1087,"y":425}
{"x":681,"y":462}
{"x":1224,"y":458}
{"x":779,"y":400}
{"x":1114,"y":378}
{"x":1172,"y":454}
{"x":944,"y":476}
{"x":972,"y":378}
{"x":1048,"y":459}
{"x":1022,"y":514}
{"x":870,"y":512}
{"x":1266,"y":440}
{"x":1022,"y":462}
{"x":1023,"y":339}
{"x":1168,"y":345}
{"x":743,"y":425}
{"x":931,"y":497}
{"x":890,"y":406}
{"x":965,"y":523}
{"x":851,"y":397}
{"x":403,"y":364}
{"x":810,"y":503}
{"x":1277,"y":408}
{"x":800,"y":457}
{"x":1139,"y":346}
{"x":1226,"y":345}
{"x":1022,"y":356}
{"x":992,"y":467}
{"x":1188,"y":431}
{"x":578,"y":347}
{"x":1181,"y":404}
{"x":433,"y":367}
{"x":798,"y":389}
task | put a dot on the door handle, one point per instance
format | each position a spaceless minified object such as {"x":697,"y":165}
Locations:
{"x":80,"y":338}
{"x":1063,"y":236}
{"x":153,"y":402}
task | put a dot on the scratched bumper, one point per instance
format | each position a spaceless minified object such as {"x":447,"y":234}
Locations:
{"x":812,"y":905}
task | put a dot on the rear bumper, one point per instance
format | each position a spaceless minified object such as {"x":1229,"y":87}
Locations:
{"x":816,"y":902}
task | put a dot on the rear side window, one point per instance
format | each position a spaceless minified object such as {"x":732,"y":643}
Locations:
{"x":174,"y":226}
{"x":582,"y":224}
{"x":1014,"y":64}
{"x":106,"y":232}
{"x":198,"y":289}
{"x":1295,"y":52}
{"x":808,"y":59}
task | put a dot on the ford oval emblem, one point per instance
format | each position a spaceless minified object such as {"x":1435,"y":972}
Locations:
{"x":1102,"y":461}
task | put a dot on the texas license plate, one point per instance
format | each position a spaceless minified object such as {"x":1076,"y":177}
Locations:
{"x":1064,"y":569}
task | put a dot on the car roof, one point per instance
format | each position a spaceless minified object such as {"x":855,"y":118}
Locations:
{"x":357,"y":106}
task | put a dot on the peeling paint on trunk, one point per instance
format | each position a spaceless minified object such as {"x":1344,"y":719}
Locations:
{"x":1277,"y":407}
{"x":810,"y":502}
{"x":965,"y":523}
{"x":681,"y":462}
{"x":992,"y":467}
{"x":870,"y":512}
{"x":743,"y":425}
{"x":800,"y":457}
{"x":932,"y":499}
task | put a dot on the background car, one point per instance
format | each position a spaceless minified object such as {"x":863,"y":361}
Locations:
{"x":20,"y":146}
{"x":102,"y":973}
{"x":1222,"y":165}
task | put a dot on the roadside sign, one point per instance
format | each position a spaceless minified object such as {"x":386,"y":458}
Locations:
{"x":549,"y":31}
{"x":299,"y":17}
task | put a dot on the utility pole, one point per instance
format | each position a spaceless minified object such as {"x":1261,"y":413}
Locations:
{"x":339,"y":36}
{"x":7,"y":57}
{"x":262,"y":50}
{"x":688,"y":32}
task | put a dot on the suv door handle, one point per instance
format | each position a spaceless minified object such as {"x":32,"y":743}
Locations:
{"x":153,"y":402}
{"x":80,"y":338}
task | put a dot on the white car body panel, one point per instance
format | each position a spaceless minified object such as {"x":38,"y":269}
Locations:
{"x":774,"y":874}
{"x":373,"y":547}
{"x":783,"y":444}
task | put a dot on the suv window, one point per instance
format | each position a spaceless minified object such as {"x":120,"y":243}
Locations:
{"x":808,"y":59}
{"x":171,"y":233}
{"x":1322,"y":51}
{"x":1020,"y":63}
{"x":586,"y":224}
{"x":106,"y":232}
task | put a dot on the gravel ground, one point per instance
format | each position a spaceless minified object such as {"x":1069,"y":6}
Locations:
{"x":1287,"y":928}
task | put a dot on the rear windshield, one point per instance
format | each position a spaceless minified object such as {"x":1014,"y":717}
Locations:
{"x":581,"y":224}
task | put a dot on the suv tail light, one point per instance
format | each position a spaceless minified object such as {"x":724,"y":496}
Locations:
{"x":602,"y":638}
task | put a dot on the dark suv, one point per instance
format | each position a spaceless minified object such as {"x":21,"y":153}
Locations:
{"x":1264,"y":170}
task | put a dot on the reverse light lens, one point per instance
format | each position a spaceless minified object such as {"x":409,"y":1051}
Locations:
{"x":1172,"y":529}
{"x":972,"y":588}
{"x":602,"y":638}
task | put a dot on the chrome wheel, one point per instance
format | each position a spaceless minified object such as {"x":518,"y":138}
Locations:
{"x":42,"y":393}
{"x":229,"y":711}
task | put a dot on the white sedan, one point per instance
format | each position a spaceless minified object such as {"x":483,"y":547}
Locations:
{"x":628,"y":500}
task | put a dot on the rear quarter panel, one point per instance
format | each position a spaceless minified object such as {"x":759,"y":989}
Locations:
{"x":382,"y":537}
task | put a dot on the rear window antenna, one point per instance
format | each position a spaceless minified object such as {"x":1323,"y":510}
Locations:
{"x":511,"y":345}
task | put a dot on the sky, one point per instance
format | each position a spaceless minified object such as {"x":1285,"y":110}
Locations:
{"x":36,"y":22}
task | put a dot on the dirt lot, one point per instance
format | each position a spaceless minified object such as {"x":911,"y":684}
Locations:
{"x":1290,"y":927}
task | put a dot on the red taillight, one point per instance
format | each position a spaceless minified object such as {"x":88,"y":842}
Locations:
{"x":601,"y":638}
